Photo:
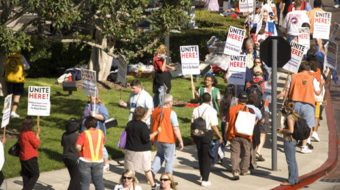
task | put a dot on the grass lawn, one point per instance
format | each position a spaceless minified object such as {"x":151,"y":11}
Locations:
{"x":64,"y":107}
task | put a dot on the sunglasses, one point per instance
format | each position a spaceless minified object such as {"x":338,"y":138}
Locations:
{"x":127,"y":177}
{"x":164,"y":179}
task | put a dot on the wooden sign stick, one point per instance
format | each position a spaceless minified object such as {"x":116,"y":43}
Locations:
{"x":192,"y":87}
{"x":38,"y":122}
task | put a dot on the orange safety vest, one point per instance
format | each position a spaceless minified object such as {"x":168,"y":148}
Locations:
{"x":302,"y":88}
{"x":167,"y":134}
{"x":93,"y":145}
{"x":316,"y":74}
{"x":14,"y":69}
{"x":233,"y":112}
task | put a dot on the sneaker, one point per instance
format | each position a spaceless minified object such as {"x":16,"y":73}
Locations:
{"x":236,"y":176}
{"x":310,"y":146}
{"x":106,"y":168}
{"x":246,"y":173}
{"x":205,"y":183}
{"x":336,"y":6}
{"x":14,"y":115}
{"x":305,"y":150}
{"x":316,"y":136}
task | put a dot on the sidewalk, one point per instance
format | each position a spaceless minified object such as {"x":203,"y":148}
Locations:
{"x":186,"y":171}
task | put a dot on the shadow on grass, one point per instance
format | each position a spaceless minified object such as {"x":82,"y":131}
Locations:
{"x":53,"y":155}
{"x":115,"y":153}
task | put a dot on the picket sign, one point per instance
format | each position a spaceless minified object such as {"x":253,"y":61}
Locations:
{"x":246,"y":5}
{"x":190,"y":60}
{"x":304,"y":38}
{"x":6,"y":112}
{"x":322,"y":24}
{"x":237,"y":70}
{"x":331,"y":55}
{"x":234,"y":42}
{"x":39,"y":103}
{"x":297,"y":52}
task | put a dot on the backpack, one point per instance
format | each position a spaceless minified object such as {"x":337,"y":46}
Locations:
{"x":301,"y":129}
{"x":255,"y":88}
{"x":198,"y":127}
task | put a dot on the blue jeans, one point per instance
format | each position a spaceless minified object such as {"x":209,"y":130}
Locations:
{"x":91,"y":172}
{"x":307,"y":112}
{"x":158,"y":97}
{"x":290,"y":150}
{"x":165,"y":152}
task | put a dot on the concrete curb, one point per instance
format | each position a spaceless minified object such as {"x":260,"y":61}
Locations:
{"x":332,"y":152}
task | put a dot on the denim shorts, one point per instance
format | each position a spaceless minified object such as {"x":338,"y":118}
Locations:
{"x":307,"y":111}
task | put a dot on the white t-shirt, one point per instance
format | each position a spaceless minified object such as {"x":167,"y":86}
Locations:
{"x":208,"y":113}
{"x":120,"y":187}
{"x":294,"y":20}
{"x":142,"y":99}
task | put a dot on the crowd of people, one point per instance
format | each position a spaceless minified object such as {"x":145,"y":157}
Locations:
{"x":243,"y":111}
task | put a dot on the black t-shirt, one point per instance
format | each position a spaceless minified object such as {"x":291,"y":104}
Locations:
{"x":138,"y":136}
{"x":68,"y":141}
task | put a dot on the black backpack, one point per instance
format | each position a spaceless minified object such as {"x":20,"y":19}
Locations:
{"x":301,"y":129}
{"x":198,"y":127}
{"x":255,"y":88}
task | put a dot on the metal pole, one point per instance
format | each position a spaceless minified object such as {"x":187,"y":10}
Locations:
{"x":167,"y":43}
{"x":274,"y":108}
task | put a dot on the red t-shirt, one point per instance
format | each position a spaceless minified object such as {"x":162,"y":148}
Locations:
{"x":29,"y":144}
{"x":158,"y":63}
{"x":256,"y":80}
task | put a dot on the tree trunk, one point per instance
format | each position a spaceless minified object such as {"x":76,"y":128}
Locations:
{"x":100,"y":61}
{"x":3,"y":89}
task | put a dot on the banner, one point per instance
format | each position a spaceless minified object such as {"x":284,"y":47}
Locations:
{"x":246,"y":5}
{"x":237,"y":70}
{"x":304,"y":38}
{"x":89,"y":82}
{"x":122,"y":70}
{"x":322,"y":24}
{"x":234,"y":42}
{"x":190,"y":60}
{"x":297,"y":54}
{"x":332,"y":52}
{"x":6,"y":112}
{"x":39,"y":101}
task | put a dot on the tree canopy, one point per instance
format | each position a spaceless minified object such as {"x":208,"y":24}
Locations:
{"x":78,"y":21}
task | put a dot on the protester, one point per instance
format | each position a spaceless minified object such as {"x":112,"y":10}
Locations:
{"x":290,"y":143}
{"x":70,"y":153}
{"x":265,"y":28}
{"x":212,"y":5}
{"x":138,"y":145}
{"x":265,"y":69}
{"x":139,"y":97}
{"x":29,"y":143}
{"x":209,"y":86}
{"x":15,"y":78}
{"x":301,"y":90}
{"x":311,"y":17}
{"x":162,"y":75}
{"x":96,"y":109}
{"x":250,"y":52}
{"x":315,"y":71}
{"x":128,"y":181}
{"x":209,"y":114}
{"x":89,"y":145}
{"x":229,"y":100}
{"x":240,"y":144}
{"x":165,"y":141}
{"x":294,"y":21}
{"x":2,"y":159}
{"x":167,"y":182}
